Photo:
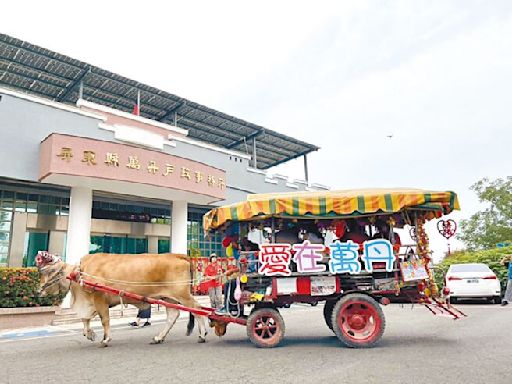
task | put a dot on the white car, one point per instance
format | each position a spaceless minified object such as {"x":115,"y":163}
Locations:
{"x":472,"y":281}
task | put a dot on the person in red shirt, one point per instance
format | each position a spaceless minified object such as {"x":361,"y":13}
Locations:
{"x":213,"y":273}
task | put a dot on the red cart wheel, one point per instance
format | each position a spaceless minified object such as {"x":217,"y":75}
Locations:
{"x":265,"y":327}
{"x":358,"y":321}
{"x":328,"y":308}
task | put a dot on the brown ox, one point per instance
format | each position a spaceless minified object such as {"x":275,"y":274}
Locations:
{"x":161,"y":276}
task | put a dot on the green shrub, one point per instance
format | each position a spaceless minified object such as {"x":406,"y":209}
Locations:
{"x":18,"y":288}
{"x":194,"y":251}
{"x":491,"y":257}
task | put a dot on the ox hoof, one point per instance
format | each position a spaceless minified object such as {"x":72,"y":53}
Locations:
{"x":91,"y":335}
{"x":104,"y":342}
{"x":157,"y":341}
{"x":201,"y":340}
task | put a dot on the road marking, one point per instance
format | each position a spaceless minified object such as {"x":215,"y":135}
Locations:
{"x":488,"y":306}
{"x":60,"y":331}
{"x":31,"y":334}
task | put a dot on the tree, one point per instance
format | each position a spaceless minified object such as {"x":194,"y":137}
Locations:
{"x":486,"y":228}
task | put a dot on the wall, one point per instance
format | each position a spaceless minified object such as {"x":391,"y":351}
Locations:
{"x":56,"y":226}
{"x":40,"y":222}
{"x":241,"y":178}
{"x":24,"y":123}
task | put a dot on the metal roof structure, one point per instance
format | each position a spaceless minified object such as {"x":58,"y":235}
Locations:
{"x":42,"y":72}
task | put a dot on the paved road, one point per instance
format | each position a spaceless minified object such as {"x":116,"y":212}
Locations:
{"x":416,"y":348}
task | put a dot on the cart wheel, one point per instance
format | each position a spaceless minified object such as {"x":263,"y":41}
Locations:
{"x":265,"y":327}
{"x":328,"y":308}
{"x":358,"y":321}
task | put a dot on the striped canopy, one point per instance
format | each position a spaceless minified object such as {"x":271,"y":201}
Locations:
{"x":332,"y":204}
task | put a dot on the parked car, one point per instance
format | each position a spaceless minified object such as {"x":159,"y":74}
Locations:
{"x":472,"y":281}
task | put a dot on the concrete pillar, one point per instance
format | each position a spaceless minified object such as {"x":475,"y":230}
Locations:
{"x":79,"y":224}
{"x":79,"y":229}
{"x":18,"y":232}
{"x":179,"y":227}
{"x":57,"y":242}
{"x":152,"y":244}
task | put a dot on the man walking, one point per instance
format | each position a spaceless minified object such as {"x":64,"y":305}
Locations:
{"x":213,"y":272}
{"x":508,"y":293}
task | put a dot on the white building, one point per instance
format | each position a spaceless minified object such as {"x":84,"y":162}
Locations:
{"x":80,"y":173}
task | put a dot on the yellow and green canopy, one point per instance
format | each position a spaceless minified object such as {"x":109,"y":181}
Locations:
{"x":332,"y":204}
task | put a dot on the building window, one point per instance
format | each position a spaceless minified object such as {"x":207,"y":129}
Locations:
{"x":118,"y":244}
{"x":19,"y":200}
{"x":130,"y":212}
{"x":164,"y":246}
{"x":197,"y":244}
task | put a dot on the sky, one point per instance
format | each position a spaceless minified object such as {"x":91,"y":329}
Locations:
{"x":344,"y":75}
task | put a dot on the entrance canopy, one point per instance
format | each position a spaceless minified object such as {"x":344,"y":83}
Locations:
{"x":40,"y":71}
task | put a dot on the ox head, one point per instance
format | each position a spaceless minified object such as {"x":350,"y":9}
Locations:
{"x":53,"y":277}
{"x":220,"y":327}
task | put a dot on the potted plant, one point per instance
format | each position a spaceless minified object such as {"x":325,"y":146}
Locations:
{"x":20,"y":305}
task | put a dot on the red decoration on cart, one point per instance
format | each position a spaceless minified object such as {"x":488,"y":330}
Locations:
{"x":339,"y":229}
{"x":447,"y":229}
{"x":226,"y":242}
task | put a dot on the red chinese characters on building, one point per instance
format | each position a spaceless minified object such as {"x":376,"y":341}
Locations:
{"x":275,"y":259}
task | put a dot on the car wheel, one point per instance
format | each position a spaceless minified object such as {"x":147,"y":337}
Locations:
{"x":497,"y":299}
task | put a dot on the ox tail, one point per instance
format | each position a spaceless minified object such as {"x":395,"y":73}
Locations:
{"x":191,"y":324}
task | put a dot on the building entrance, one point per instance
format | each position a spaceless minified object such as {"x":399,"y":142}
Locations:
{"x":34,"y":242}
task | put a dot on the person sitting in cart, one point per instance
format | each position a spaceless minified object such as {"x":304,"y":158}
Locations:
{"x":355,"y":233}
{"x":252,"y":256}
{"x":289,"y":235}
{"x":312,"y":234}
{"x":383,"y":233}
